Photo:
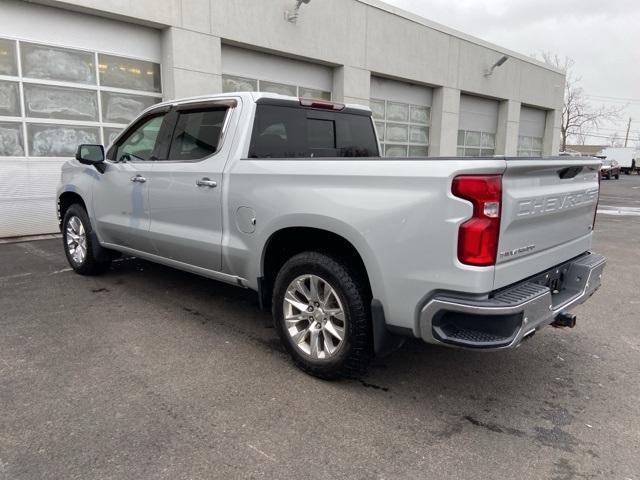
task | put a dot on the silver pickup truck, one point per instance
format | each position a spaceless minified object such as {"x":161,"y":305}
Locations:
{"x":351,"y":251}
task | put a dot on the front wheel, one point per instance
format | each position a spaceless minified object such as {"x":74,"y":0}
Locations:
{"x":322,"y":314}
{"x":84,"y":257}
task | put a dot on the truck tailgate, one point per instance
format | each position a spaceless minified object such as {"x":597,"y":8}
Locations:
{"x":548,"y":207}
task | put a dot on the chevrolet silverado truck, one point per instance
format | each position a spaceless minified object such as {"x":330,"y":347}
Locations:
{"x":351,"y":251}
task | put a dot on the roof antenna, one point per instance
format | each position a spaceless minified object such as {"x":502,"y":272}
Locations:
{"x":292,"y":15}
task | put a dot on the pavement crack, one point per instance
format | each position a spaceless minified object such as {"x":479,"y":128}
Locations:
{"x":494,"y":427}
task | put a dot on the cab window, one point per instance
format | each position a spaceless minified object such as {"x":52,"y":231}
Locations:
{"x":294,"y":132}
{"x":197,"y":134}
{"x":140,"y":143}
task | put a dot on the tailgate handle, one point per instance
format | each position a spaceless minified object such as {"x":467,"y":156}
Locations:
{"x":569,"y":172}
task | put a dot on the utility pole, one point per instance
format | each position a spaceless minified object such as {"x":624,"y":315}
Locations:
{"x":626,"y":138}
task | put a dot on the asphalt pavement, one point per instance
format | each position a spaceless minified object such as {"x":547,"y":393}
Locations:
{"x":146,"y":372}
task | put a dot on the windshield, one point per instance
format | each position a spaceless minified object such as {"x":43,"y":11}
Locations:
{"x":606,"y":163}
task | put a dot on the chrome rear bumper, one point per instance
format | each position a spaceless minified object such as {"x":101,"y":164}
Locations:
{"x":506,"y":317}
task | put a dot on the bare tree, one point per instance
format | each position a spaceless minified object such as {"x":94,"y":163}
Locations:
{"x":615,"y":140}
{"x":579,"y":117}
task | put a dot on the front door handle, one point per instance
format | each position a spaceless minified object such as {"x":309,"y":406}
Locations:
{"x":206,"y":182}
{"x":138,"y":179}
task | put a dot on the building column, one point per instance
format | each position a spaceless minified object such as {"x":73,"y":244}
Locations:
{"x":191,"y":63}
{"x":508,"y":128}
{"x":551,"y":143}
{"x":445,"y":116}
{"x":351,"y":85}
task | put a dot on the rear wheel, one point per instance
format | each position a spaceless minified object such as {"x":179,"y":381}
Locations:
{"x":322,"y":314}
{"x":84,"y":257}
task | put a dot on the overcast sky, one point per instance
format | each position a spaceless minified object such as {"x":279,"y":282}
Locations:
{"x":603,"y":37}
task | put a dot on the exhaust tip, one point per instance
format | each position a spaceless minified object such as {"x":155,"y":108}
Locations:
{"x":563,"y":320}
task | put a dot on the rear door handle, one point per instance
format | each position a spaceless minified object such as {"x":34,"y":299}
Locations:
{"x":138,"y":179}
{"x":206,"y":182}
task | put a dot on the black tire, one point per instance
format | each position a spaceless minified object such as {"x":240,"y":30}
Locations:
{"x":96,"y":259}
{"x":617,"y":176}
{"x":354,"y":354}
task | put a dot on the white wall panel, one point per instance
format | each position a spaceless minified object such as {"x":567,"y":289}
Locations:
{"x":37,"y":23}
{"x":248,"y":63}
{"x":478,"y":114}
{"x":532,"y":122}
{"x":27,"y":196}
{"x":396,"y":91}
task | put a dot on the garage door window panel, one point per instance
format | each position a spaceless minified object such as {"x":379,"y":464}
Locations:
{"x":231,"y":83}
{"x":392,"y":150}
{"x":110,"y":135}
{"x":419,"y":135}
{"x":9,"y":99}
{"x":278,"y":88}
{"x":128,"y":73}
{"x":56,"y":96}
{"x":8,"y":57}
{"x":238,"y":84}
{"x":54,"y":63}
{"x":124,"y":108}
{"x":378,"y":108}
{"x":11,"y":142}
{"x":476,"y":144}
{"x":314,"y":94}
{"x":420,"y":115}
{"x":49,"y":140}
{"x":403,"y":129}
{"x":45,"y":101}
{"x":197,"y":134}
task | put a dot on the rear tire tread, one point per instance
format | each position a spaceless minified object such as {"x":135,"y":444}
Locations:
{"x":359,"y":347}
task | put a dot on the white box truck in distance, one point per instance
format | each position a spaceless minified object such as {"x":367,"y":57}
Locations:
{"x":627,"y":157}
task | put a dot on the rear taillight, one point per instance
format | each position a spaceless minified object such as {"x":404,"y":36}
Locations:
{"x":478,"y":236}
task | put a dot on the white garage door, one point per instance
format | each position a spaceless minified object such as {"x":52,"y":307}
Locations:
{"x":478,"y":126}
{"x":403,"y":117}
{"x":532,"y":124}
{"x":65,"y":78}
{"x":248,"y":71}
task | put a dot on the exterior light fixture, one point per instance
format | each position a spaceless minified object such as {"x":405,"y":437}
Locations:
{"x":292,"y":15}
{"x":499,"y":63}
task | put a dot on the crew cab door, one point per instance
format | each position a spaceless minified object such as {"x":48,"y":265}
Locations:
{"x":121,"y":193}
{"x":185,"y":191}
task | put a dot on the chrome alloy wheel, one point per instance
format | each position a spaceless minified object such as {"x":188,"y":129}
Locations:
{"x":76,"y":240}
{"x":314,"y":316}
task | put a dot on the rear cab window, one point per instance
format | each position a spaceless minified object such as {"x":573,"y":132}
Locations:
{"x":197,"y":134}
{"x":289,"y":130}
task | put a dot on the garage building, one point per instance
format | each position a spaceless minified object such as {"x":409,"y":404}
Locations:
{"x":78,"y":71}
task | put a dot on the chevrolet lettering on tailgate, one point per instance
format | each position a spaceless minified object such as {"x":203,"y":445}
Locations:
{"x":555,"y":203}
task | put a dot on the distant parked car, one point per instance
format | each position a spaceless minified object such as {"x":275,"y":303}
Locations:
{"x":610,"y":169}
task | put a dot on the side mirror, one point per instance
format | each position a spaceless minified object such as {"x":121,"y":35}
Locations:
{"x":91,"y":155}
